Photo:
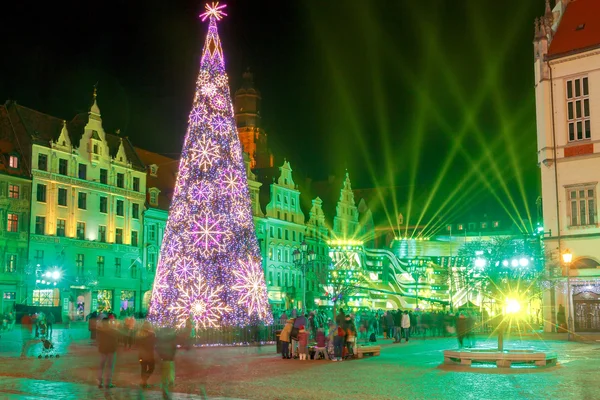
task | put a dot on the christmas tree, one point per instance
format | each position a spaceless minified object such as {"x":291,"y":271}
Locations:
{"x":209,"y":269}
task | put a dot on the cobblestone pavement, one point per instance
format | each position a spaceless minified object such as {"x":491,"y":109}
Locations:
{"x":409,"y":370}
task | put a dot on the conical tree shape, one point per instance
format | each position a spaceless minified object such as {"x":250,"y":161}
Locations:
{"x":209,"y":269}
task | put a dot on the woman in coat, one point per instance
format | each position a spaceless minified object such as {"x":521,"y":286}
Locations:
{"x":285,"y":338}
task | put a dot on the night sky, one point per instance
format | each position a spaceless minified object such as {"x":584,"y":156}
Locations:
{"x":382,"y":88}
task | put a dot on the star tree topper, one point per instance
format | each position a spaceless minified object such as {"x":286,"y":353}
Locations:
{"x":213,"y":10}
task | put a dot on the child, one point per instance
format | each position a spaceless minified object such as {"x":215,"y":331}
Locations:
{"x":321,"y":346}
{"x":302,"y":343}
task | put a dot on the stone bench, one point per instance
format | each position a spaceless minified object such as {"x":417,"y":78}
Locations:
{"x":502,"y":359}
{"x":374,"y":350}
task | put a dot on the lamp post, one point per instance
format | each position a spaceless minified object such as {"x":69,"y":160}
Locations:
{"x":416,"y":271}
{"x":567,"y":257}
{"x":302,"y":257}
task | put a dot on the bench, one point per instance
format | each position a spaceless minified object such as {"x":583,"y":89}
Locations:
{"x":502,"y":359}
{"x":373,"y":350}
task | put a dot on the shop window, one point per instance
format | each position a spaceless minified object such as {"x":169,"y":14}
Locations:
{"x":127,"y":301}
{"x":46,"y":297}
{"x":104,"y":300}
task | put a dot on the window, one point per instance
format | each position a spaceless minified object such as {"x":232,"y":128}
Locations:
{"x":270,"y":278}
{"x":81,"y":230}
{"x":63,"y":166}
{"x":82,"y":172}
{"x":153,"y":198}
{"x":13,"y":223}
{"x":292,"y":217}
{"x":278,"y":233}
{"x":13,"y":161}
{"x":43,"y":162}
{"x":120,"y":208}
{"x":496,"y":224}
{"x":287,"y":235}
{"x":119,"y":236}
{"x":578,"y":109}
{"x":134,"y":238}
{"x":117,"y":267}
{"x":133,"y":270}
{"x":582,"y":202}
{"x":40,"y":225}
{"x":103,"y":176}
{"x":82,"y":200}
{"x":279,"y":279}
{"x":41,"y":193}
{"x":62,"y":197}
{"x":484,"y":225}
{"x":135,"y":211}
{"x":100,"y":263}
{"x":95,"y":148}
{"x":11,"y":263}
{"x":153,"y":170}
{"x":60,"y":227}
{"x":151,"y":262}
{"x":79,"y":264}
{"x":279,"y":215}
{"x":39,"y":257}
{"x":460,"y":227}
{"x":102,"y":233}
{"x":46,"y":297}
{"x":285,"y":217}
{"x":152,"y":232}
{"x":271,"y":232}
{"x":103,"y":204}
{"x":278,"y":255}
{"x":136,"y":184}
{"x":294,"y":236}
{"x":13,"y":191}
{"x":120,"y":180}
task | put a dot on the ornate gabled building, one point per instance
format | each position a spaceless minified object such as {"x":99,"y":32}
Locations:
{"x":15,"y":203}
{"x":247,"y":115}
{"x":345,"y":222}
{"x":567,"y":90}
{"x":87,"y":198}
{"x":161,"y":174}
{"x":317,"y":236}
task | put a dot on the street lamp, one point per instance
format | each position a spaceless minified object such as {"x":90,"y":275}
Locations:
{"x":567,"y":257}
{"x":416,"y":271}
{"x":301,"y":258}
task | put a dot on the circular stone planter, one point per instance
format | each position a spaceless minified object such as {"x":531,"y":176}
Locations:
{"x":503,"y":359}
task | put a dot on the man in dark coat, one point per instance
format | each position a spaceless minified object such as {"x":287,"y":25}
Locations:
{"x":108,"y":341}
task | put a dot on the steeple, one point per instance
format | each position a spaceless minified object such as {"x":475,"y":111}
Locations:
{"x":94,"y":110}
{"x":345,"y":222}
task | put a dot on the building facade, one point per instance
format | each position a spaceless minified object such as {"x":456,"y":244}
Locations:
{"x":88,"y":191}
{"x":161,"y":174}
{"x":15,"y":200}
{"x":567,"y":90}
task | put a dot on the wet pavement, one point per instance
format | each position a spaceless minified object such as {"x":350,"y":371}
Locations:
{"x":411,"y":370}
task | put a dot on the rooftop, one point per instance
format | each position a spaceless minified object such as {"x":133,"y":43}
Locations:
{"x":579,"y":29}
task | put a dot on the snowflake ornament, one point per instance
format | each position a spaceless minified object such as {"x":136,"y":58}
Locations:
{"x":209,"y":234}
{"x":206,"y":153}
{"x":200,"y":303}
{"x":250,"y":283}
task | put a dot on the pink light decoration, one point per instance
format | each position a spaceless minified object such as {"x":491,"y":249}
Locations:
{"x":210,"y":269}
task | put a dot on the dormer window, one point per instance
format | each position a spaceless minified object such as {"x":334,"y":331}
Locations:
{"x":153,"y":169}
{"x":153,"y":196}
{"x":13,"y":161}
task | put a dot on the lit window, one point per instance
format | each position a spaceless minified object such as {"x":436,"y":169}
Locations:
{"x":13,"y":223}
{"x":13,"y":162}
{"x":496,"y":224}
{"x":578,"y":109}
{"x":13,"y":191}
{"x":460,"y":227}
{"x":46,"y":297}
{"x":582,"y":205}
{"x":11,"y":263}
{"x":153,"y":170}
{"x":484,"y":225}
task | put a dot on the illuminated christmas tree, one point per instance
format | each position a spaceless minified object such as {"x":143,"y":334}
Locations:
{"x":209,"y":268}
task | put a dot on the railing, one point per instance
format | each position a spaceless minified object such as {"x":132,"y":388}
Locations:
{"x":238,"y":336}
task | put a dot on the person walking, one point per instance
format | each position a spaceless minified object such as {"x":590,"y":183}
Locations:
{"x":130,"y":331}
{"x":108,"y":340}
{"x":146,"y":340}
{"x":461,"y":329}
{"x":166,"y":349}
{"x":405,"y":325}
{"x":50,"y":320}
{"x":397,"y":326}
{"x":26,"y":334}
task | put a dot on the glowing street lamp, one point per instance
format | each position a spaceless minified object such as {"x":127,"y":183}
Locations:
{"x":567,"y":258}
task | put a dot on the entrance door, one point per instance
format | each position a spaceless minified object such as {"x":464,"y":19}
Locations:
{"x":587,"y":312}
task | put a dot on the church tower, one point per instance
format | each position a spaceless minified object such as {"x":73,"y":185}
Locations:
{"x":247,"y":118}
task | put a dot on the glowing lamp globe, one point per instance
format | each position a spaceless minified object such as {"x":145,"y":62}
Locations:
{"x":512,"y":306}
